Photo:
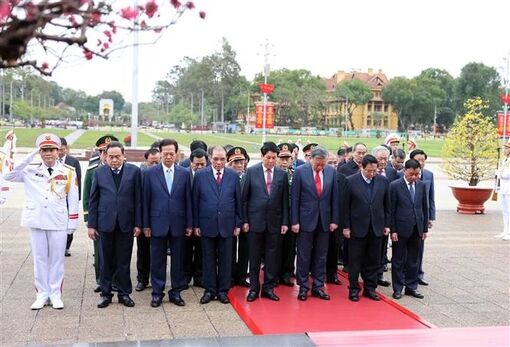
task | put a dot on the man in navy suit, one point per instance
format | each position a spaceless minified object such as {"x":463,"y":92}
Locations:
{"x":217,"y":217}
{"x":428,"y":178}
{"x":353,"y":166}
{"x":115,"y":215}
{"x":409,"y":226}
{"x":167,"y":218}
{"x":265,"y":212}
{"x":314,"y":214}
{"x":366,"y":220}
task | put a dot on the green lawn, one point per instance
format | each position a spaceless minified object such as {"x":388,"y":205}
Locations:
{"x":89,"y":138}
{"x":27,"y":136}
{"x":252,"y":142}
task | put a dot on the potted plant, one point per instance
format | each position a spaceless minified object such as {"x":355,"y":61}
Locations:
{"x":470,"y":155}
{"x":127,"y":140}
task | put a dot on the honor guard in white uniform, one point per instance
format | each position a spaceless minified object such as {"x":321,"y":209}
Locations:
{"x":4,"y":185}
{"x":503,"y":173}
{"x":51,"y":211}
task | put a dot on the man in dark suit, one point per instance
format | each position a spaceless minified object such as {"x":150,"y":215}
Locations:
{"x":366,"y":220}
{"x":397,"y":159}
{"x":353,"y":166}
{"x":192,"y":247}
{"x":65,"y":158}
{"x":115,"y":215}
{"x":265,"y":212}
{"x":314,"y":214}
{"x":409,"y":225}
{"x":382,"y":154}
{"x":428,"y":178}
{"x":217,"y":217}
{"x":195,"y":144}
{"x":167,"y":218}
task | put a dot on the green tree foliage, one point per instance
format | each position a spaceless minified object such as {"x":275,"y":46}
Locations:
{"x":354,"y":93}
{"x":470,"y":150}
{"x":445,"y":110}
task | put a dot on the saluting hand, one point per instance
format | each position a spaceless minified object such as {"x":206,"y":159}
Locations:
{"x":93,"y":234}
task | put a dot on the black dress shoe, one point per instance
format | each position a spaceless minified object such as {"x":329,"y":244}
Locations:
{"x":177,"y":300}
{"x":243,"y":283}
{"x":354,"y":297}
{"x":126,"y":301}
{"x":140,"y":286}
{"x":397,"y":295}
{"x":269,"y":294}
{"x":206,"y":298}
{"x":414,"y":293}
{"x":422,"y":282}
{"x":67,"y":254}
{"x":156,"y":301}
{"x":319,"y":293}
{"x":333,"y":280}
{"x":302,"y":295}
{"x":383,"y":283}
{"x":252,"y":296}
{"x":104,"y":301}
{"x":223,"y":298}
{"x":97,"y":289}
{"x":371,"y":295}
{"x":287,"y":282}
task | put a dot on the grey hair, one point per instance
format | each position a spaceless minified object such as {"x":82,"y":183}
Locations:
{"x":380,"y":149}
{"x":217,"y":148}
{"x":320,"y":152}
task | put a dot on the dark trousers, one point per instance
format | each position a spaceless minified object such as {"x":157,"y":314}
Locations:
{"x":143,"y":258}
{"x":97,"y":261}
{"x":217,"y":264}
{"x":69,"y":241}
{"x":159,"y":258}
{"x":420,"y":261}
{"x":345,"y":251}
{"x":287,"y":254}
{"x":384,"y":256}
{"x":406,"y":255}
{"x":312,"y":248}
{"x":263,"y":244}
{"x":364,"y":258}
{"x":240,"y":257}
{"x":115,"y":258}
{"x":332,"y":257}
{"x":192,"y":259}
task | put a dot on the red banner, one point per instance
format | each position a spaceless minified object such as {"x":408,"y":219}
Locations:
{"x":259,"y":113}
{"x":266,"y":88}
{"x":505,"y":99}
{"x":501,"y":124}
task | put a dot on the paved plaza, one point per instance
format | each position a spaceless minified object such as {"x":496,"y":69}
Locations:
{"x":468,"y":271}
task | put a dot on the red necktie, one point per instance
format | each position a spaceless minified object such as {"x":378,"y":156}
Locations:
{"x":269,"y":181}
{"x":318,"y":185}
{"x":218,"y":177}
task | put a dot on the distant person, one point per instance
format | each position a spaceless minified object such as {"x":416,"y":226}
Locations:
{"x":9,"y":147}
{"x":504,"y":190}
{"x":65,"y":158}
{"x":392,"y":141}
{"x":295,"y":154}
{"x":397,"y":160}
{"x":332,"y":160}
{"x":307,"y":151}
{"x":353,"y":166}
{"x":195,"y":144}
{"x":51,"y":212}
{"x":152,"y":157}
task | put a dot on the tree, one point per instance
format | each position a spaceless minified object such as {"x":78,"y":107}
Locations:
{"x":478,"y":80}
{"x":354,"y":93}
{"x":52,"y":27}
{"x":445,"y":111}
{"x":400,"y":93}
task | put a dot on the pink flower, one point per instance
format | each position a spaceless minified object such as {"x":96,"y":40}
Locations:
{"x":151,"y":8}
{"x":175,"y":3}
{"x":190,"y":5}
{"x":45,"y":66}
{"x":201,"y":14}
{"x":95,"y":19}
{"x":5,"y":9}
{"x":106,"y":45}
{"x":129,"y":13}
{"x":88,"y":54}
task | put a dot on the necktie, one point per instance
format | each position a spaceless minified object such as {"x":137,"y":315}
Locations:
{"x":169,"y":177}
{"x":50,"y":170}
{"x":218,"y":177}
{"x":269,"y":181}
{"x":318,"y":185}
{"x":411,"y":191}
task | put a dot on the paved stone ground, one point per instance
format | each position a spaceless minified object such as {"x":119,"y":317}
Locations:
{"x":468,"y":271}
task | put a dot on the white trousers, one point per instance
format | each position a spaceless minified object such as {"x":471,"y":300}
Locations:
{"x":505,"y":208}
{"x":48,"y":251}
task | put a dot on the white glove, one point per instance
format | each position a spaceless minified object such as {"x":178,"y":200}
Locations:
{"x":70,"y":231}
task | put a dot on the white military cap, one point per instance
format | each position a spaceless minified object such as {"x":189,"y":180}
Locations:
{"x":48,"y":141}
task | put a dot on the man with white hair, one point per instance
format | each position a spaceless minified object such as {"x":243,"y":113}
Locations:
{"x":51,"y":211}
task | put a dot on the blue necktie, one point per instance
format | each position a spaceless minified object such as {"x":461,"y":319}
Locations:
{"x":169,"y":177}
{"x":411,"y":190}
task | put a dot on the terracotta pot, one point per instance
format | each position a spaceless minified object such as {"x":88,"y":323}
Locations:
{"x":471,"y":199}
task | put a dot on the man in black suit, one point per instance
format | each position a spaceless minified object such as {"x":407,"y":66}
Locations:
{"x":315,"y":213}
{"x":192,"y":248}
{"x":398,"y":157}
{"x":353,"y":166}
{"x":115,"y":215}
{"x":382,"y":154}
{"x":195,"y":144}
{"x":366,"y":220}
{"x":65,"y":158}
{"x":265,"y":213}
{"x":409,"y":226}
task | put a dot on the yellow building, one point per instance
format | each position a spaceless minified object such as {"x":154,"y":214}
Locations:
{"x":376,"y":114}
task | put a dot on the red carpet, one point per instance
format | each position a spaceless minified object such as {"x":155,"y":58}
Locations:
{"x":290,"y":315}
{"x":452,"y":337}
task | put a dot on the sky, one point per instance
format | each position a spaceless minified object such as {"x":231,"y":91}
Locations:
{"x":400,"y":37}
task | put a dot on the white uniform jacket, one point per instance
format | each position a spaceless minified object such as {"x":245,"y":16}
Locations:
{"x":51,"y":201}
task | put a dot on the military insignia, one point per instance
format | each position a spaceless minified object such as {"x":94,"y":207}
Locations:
{"x":48,"y":137}
{"x":312,"y":147}
{"x":285,"y":148}
{"x":108,"y":140}
{"x":237,"y":151}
